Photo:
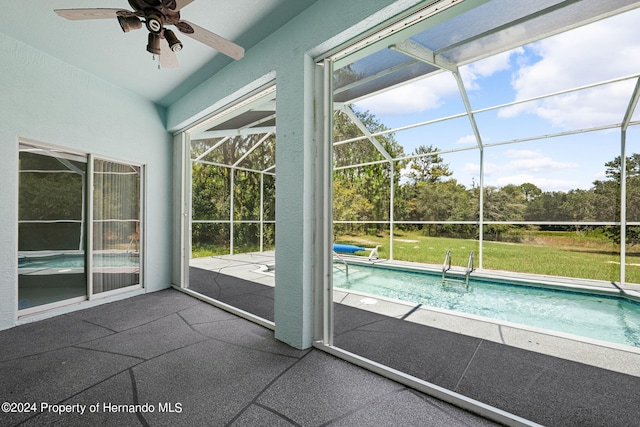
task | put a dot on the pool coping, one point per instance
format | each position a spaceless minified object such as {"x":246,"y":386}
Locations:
{"x":611,"y":356}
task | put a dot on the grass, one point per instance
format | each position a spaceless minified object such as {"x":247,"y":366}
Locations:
{"x":566,"y":254}
{"x":205,"y":250}
{"x":554,"y":253}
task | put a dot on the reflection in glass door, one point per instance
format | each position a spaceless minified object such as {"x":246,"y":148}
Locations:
{"x":52,"y":237}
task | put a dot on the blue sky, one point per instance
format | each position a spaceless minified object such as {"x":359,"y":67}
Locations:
{"x":601,"y":51}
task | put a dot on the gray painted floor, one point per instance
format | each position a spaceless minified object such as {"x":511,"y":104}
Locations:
{"x":191,"y":364}
{"x":552,"y":391}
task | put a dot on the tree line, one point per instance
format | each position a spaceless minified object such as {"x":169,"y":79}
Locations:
{"x":211,"y":192}
{"x":427,"y":191}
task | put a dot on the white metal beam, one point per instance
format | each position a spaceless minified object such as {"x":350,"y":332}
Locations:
{"x":210,"y":149}
{"x":435,"y":12}
{"x":417,"y":51}
{"x":632,"y":106}
{"x":233,"y":132}
{"x":250,"y":150}
{"x":354,"y":118}
{"x":623,"y":180}
{"x":253,"y":102}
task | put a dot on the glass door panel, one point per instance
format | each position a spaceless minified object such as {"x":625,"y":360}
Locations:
{"x":51,"y":233}
{"x":116,"y":226}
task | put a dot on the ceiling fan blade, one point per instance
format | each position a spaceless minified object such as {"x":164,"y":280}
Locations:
{"x":82,"y":14}
{"x":182,"y":3}
{"x":168,"y":58}
{"x":211,"y":39}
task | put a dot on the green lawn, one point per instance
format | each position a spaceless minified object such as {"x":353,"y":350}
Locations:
{"x":552,"y":253}
{"x":200,"y":250}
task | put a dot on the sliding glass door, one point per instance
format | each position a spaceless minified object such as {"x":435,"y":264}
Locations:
{"x":116,"y":225}
{"x":69,"y":202}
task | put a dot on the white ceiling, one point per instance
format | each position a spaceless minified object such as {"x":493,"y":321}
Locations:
{"x":101,"y":48}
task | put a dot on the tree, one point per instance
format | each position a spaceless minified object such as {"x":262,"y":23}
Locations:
{"x":546,"y":207}
{"x":443,"y":201}
{"x":503,"y":204}
{"x":609,"y":191}
{"x":530,"y":191}
{"x":429,"y":168}
{"x":372,"y":181}
{"x":349,"y":205}
{"x":211,"y":189}
{"x":614,"y":167}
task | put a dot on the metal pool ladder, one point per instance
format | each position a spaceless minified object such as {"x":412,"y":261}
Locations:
{"x":446,"y":266}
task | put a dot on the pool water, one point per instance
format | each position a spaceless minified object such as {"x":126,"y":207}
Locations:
{"x":607,"y":318}
{"x":61,"y":261}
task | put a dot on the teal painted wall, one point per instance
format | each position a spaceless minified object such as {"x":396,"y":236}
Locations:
{"x":44,"y":99}
{"x":324,"y":25}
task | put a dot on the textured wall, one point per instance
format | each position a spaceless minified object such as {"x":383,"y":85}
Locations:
{"x":44,"y":99}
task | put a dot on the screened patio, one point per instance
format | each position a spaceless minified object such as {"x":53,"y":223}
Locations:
{"x":435,"y":113}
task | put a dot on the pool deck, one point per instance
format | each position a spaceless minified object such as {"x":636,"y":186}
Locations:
{"x":255,"y":268}
{"x":186,"y":363}
{"x":547,"y":378}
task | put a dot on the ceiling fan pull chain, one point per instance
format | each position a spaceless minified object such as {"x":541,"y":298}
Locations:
{"x":153,"y":56}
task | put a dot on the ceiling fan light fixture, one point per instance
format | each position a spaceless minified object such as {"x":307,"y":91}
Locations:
{"x":153,"y":46}
{"x":128,"y":23}
{"x":154,"y":23}
{"x":172,"y":39}
{"x":155,"y":14}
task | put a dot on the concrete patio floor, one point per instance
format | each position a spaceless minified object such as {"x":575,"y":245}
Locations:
{"x":181,"y":362}
{"x":246,"y":281}
{"x":544,"y":377}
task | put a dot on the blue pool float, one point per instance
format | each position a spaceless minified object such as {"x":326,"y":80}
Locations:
{"x":347,"y":249}
{"x":352,"y":249}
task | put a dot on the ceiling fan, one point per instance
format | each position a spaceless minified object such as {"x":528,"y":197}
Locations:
{"x":156,"y":14}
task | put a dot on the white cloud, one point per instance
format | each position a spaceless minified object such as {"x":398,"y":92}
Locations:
{"x":535,"y":161}
{"x":546,"y":184}
{"x":487,"y":67}
{"x":474,"y":168}
{"x":600,"y":175}
{"x":467,"y":139}
{"x":429,"y":93}
{"x":530,"y":166}
{"x":418,"y":96}
{"x":601,"y":51}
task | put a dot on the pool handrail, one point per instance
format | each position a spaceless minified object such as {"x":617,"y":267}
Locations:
{"x":470,"y":267}
{"x":446,"y":266}
{"x":346,"y":266}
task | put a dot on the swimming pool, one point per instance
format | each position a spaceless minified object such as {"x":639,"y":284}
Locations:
{"x":604,"y":317}
{"x":77,"y":261}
